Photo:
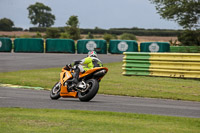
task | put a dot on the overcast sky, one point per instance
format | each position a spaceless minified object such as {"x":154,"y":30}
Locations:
{"x":91,"y":13}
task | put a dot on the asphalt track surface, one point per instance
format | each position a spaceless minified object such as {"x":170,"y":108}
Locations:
{"x":26,"y":98}
{"x":28,"y":61}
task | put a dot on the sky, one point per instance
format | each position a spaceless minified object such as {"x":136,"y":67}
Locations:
{"x":91,"y":13}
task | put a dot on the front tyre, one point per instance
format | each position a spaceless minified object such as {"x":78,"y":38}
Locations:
{"x":55,"y":91}
{"x":92,"y":89}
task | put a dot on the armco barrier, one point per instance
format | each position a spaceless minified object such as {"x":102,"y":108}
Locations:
{"x":60,"y":46}
{"x":180,"y":65}
{"x":5,"y":44}
{"x":29,"y":45}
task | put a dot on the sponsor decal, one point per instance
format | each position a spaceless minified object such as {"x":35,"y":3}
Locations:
{"x":68,"y":76}
{"x":154,"y":47}
{"x":91,"y":45}
{"x":0,"y":44}
{"x":122,"y":46}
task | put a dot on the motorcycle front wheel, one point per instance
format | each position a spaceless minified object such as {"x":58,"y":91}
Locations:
{"x":55,"y":91}
{"x":92,"y":89}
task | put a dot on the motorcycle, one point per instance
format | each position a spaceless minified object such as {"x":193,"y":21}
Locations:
{"x":86,"y":88}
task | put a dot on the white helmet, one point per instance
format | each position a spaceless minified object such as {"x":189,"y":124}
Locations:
{"x":92,"y":54}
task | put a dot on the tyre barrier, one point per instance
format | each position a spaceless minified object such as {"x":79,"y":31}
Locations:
{"x":29,"y":45}
{"x":5,"y":44}
{"x":100,"y":46}
{"x":179,"y":65}
{"x":120,"y":46}
{"x":60,"y":46}
{"x":86,"y":45}
{"x":154,"y":47}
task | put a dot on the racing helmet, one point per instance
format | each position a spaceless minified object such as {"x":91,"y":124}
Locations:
{"x":92,"y":54}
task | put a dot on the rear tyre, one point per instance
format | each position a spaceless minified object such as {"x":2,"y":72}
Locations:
{"x":93,"y":87}
{"x":55,"y":91}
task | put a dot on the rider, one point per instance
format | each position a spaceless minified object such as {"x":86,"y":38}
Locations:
{"x":91,"y":61}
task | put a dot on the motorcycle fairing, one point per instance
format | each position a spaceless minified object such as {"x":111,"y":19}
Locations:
{"x":64,"y":92}
{"x":66,"y":75}
{"x":92,"y":71}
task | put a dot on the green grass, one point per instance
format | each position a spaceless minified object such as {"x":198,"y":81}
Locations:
{"x":19,"y":120}
{"x":114,"y":83}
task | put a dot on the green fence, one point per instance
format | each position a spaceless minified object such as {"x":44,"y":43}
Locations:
{"x":120,"y":46}
{"x":185,"y":49}
{"x":60,"y":46}
{"x":29,"y":45}
{"x":84,"y":46}
{"x":5,"y":45}
{"x":154,"y":47}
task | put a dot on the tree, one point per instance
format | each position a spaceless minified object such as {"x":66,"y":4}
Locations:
{"x":72,"y":28}
{"x":6,"y":24}
{"x":41,"y":15}
{"x":185,"y":12}
{"x":73,"y":21}
{"x":190,"y":38}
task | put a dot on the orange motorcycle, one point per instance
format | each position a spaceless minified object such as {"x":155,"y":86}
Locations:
{"x":85,"y":89}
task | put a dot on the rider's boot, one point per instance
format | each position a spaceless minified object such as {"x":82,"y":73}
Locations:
{"x":76,"y":76}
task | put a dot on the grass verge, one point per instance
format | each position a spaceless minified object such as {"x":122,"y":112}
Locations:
{"x":21,"y":120}
{"x":114,"y":83}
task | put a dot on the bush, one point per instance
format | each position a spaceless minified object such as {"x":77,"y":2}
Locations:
{"x":89,"y":36}
{"x":190,"y":38}
{"x":52,"y":33}
{"x":128,"y":36}
{"x":108,"y":37}
{"x":64,"y":36}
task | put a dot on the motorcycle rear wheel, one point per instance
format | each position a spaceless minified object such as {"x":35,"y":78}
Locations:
{"x":91,"y":92}
{"x":55,"y":91}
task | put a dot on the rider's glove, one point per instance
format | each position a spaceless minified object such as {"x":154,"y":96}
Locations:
{"x":77,"y":62}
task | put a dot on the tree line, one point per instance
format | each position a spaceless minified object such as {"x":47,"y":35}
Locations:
{"x":118,"y":31}
{"x":186,"y":13}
